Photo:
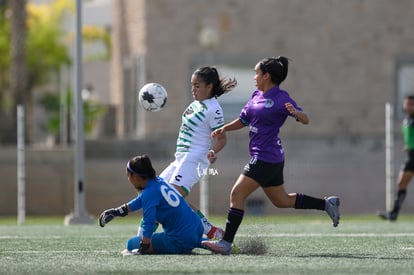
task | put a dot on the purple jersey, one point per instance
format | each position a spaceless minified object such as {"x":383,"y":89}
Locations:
{"x":265,"y":113}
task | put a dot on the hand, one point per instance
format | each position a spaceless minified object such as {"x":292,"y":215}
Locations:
{"x":290,"y":108}
{"x":107,"y":216}
{"x":211,"y":156}
{"x":110,"y":214}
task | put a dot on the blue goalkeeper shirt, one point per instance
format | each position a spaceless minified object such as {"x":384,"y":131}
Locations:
{"x":161,"y":202}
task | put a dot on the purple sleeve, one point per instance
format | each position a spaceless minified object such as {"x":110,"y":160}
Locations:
{"x":244,"y":115}
{"x":293,"y":102}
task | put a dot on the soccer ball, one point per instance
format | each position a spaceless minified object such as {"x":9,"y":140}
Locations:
{"x":152,"y":97}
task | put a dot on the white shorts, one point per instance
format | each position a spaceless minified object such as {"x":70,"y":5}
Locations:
{"x":184,"y":172}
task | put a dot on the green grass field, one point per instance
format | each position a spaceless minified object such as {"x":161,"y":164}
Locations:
{"x":294,"y":245}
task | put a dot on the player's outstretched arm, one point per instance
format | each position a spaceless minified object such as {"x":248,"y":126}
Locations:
{"x":231,"y":126}
{"x":219,"y":144}
{"x":109,"y":214}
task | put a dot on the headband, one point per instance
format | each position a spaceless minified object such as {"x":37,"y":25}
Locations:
{"x":132,"y":171}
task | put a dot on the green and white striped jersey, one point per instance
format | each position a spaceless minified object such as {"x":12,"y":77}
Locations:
{"x":198,"y":121}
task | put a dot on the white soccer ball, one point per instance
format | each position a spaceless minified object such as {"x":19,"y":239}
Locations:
{"x":152,"y":97}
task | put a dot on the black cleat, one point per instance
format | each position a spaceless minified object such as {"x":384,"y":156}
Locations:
{"x":389,"y":216}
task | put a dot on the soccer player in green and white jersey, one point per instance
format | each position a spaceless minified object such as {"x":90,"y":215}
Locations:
{"x":195,"y":149}
{"x":407,"y":169}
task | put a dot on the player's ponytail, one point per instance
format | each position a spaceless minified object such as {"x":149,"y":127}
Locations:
{"x":210,"y":75}
{"x":226,"y":85}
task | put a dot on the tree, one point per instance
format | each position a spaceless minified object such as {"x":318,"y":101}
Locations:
{"x":18,"y":67}
{"x":4,"y":54}
{"x":35,"y":48}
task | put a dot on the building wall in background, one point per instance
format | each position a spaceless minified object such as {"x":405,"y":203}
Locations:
{"x":343,"y":54}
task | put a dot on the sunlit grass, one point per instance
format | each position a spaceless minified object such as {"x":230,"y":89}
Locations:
{"x":291,"y":244}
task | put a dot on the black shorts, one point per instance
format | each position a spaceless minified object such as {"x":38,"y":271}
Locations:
{"x":266,"y":174}
{"x":408,"y":166}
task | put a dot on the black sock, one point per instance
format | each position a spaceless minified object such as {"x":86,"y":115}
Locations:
{"x":399,"y":201}
{"x":307,"y":202}
{"x":234,"y":219}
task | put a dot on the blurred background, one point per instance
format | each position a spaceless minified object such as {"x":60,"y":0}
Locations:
{"x":348,"y":59}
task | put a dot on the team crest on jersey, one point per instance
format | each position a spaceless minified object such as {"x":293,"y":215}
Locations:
{"x":269,"y":103}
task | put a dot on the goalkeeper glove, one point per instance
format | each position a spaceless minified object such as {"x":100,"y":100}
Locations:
{"x":110,"y":214}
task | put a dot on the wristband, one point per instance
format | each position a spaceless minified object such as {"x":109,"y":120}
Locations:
{"x":296,"y":117}
{"x":143,"y":248}
{"x":122,"y":211}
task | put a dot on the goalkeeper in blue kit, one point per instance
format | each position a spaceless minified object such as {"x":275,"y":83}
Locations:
{"x":160,"y":203}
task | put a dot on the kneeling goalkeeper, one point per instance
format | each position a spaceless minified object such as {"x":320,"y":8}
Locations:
{"x":160,"y":203}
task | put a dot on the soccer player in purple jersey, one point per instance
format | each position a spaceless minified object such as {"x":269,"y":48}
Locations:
{"x":265,"y":114}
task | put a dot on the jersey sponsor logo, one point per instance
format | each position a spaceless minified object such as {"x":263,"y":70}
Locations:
{"x":254,"y":129}
{"x":219,"y":120}
{"x":189,"y":111}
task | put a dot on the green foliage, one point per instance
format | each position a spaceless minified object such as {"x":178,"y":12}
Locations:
{"x":46,"y":43}
{"x":4,"y":53}
{"x":46,"y":50}
{"x":51,"y":102}
{"x":4,"y":41}
{"x":92,"y":111}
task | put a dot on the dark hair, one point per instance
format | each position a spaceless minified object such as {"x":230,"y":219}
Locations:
{"x":277,"y":67}
{"x":141,"y":165}
{"x":410,"y":97}
{"x":210,"y":76}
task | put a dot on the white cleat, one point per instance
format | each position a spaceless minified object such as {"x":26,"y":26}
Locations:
{"x":222,"y":247}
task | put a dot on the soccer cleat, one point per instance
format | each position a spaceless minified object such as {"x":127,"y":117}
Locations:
{"x":215,"y":233}
{"x":126,"y":252}
{"x":390,"y":216}
{"x":332,"y":208}
{"x":221,"y":247}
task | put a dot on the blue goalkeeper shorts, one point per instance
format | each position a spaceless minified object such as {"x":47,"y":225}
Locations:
{"x":163,"y":244}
